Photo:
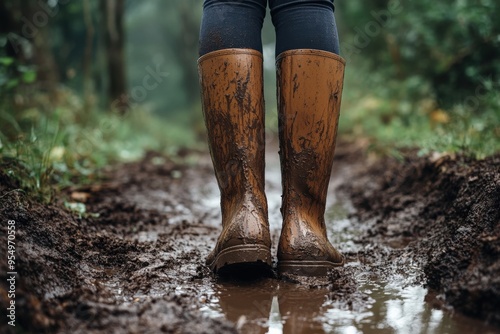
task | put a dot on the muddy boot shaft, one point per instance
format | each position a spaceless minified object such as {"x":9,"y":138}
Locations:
{"x":309,"y":95}
{"x":233,"y":107}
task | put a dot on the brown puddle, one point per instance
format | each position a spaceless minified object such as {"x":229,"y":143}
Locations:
{"x":271,"y":306}
{"x":390,"y":302}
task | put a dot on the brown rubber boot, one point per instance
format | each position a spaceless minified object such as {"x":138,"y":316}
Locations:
{"x":233,"y":107}
{"x":309,"y":94}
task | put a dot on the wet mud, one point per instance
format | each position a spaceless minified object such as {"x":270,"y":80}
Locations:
{"x":445,"y":210}
{"x":420,"y":238}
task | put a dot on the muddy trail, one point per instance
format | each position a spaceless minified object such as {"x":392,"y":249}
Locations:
{"x":421,"y":237}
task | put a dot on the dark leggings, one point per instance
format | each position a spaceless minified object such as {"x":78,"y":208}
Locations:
{"x":299,"y":24}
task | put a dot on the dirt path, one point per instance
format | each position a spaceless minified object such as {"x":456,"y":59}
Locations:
{"x":134,"y":261}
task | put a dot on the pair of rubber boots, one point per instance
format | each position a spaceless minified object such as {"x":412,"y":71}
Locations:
{"x":309,"y":96}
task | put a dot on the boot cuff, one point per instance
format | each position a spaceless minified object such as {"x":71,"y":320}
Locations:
{"x":310,"y":52}
{"x":228,"y":52}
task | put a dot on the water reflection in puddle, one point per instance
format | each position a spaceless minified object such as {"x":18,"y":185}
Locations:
{"x":394,"y":306}
{"x":272,"y":306}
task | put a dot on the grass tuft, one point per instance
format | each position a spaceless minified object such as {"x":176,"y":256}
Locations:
{"x":46,"y":151}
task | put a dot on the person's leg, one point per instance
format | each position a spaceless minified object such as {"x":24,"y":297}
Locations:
{"x":231,"y":79}
{"x":304,"y":24}
{"x":310,"y":79}
{"x":230,"y":24}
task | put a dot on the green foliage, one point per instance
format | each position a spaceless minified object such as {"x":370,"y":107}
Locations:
{"x":64,"y":147}
{"x":451,"y":46}
{"x":385,"y":111}
{"x":422,"y":73}
{"x":31,"y":154}
{"x":12,"y":75}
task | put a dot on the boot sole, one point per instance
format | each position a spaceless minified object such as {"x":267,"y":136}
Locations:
{"x":307,"y":268}
{"x":242,"y":256}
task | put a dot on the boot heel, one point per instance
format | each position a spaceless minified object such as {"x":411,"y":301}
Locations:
{"x":307,"y":268}
{"x":242,"y":257}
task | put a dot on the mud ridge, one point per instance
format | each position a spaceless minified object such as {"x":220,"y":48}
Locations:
{"x":444,"y":210}
{"x":71,"y":269}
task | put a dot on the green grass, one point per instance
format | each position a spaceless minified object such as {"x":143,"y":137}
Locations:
{"x":49,"y":150}
{"x":401,"y":113}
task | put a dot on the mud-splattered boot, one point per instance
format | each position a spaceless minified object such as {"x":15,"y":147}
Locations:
{"x":309,"y":94}
{"x":233,"y":107}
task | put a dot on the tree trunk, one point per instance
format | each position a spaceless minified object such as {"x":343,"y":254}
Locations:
{"x":186,"y":42}
{"x":87,"y":58}
{"x":115,"y":53}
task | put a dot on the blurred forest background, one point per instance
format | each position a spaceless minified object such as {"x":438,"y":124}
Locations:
{"x":84,"y":83}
